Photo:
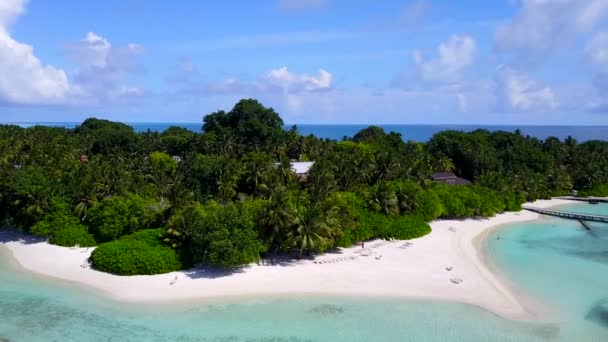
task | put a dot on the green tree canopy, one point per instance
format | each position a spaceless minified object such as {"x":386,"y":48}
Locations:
{"x":254,"y":125}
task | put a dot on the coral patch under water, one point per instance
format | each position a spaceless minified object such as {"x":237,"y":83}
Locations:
{"x":599,"y":313}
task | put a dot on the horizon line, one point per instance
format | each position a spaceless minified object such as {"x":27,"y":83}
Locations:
{"x":311,"y":124}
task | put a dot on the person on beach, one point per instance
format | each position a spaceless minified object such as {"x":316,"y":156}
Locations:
{"x":363,"y":244}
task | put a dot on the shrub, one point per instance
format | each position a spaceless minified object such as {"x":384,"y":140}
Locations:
{"x":73,"y":235}
{"x":367,"y":224}
{"x":359,"y":222}
{"x":490,"y":202}
{"x":404,"y":228}
{"x":599,"y":191}
{"x":117,"y":216}
{"x":137,"y":254}
{"x":428,"y":205}
{"x":59,"y":215}
{"x":218,"y":234}
{"x":153,"y":237}
{"x":62,"y":227}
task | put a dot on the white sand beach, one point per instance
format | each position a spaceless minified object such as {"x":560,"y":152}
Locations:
{"x":445,"y":265}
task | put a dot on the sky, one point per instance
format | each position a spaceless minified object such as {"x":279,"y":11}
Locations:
{"x":538,"y":62}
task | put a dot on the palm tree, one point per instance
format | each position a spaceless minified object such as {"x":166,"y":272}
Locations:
{"x":258,"y":173}
{"x":226,"y":188}
{"x":311,"y":231}
{"x":444,"y":164}
{"x":382,"y":198}
{"x":277,"y":218}
{"x":286,"y":174}
{"x":227,"y":182}
{"x":322,"y":181}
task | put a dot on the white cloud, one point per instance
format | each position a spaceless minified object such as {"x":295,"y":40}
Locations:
{"x":516,"y":91}
{"x":103,"y":69}
{"x":543,"y":26}
{"x":295,"y":5}
{"x":99,"y":77}
{"x":96,"y":50}
{"x":25,"y":80}
{"x":597,"y":52}
{"x":289,"y":88}
{"x":463,"y":102}
{"x":10,"y":10}
{"x":453,"y":57}
{"x":295,"y":83}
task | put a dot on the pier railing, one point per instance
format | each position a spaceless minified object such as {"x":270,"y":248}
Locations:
{"x":568,"y":215}
{"x":585,"y":199}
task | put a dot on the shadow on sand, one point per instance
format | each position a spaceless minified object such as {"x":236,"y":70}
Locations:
{"x":280,"y":260}
{"x":12,"y":235}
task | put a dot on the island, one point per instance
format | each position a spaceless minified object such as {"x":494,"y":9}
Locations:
{"x":248,"y":207}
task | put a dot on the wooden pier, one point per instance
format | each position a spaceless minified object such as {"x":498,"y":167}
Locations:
{"x":592,"y":200}
{"x":569,"y":215}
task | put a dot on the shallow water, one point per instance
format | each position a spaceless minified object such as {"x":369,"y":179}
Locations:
{"x":562,"y":265}
{"x":553,"y":260}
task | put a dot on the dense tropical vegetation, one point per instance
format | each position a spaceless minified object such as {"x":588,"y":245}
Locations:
{"x":160,"y":201}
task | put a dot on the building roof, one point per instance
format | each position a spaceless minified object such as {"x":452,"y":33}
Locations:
{"x":449,"y":178}
{"x":301,"y":168}
{"x":443,"y":176}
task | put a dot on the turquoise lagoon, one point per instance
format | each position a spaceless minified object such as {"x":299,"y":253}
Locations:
{"x":556,"y":261}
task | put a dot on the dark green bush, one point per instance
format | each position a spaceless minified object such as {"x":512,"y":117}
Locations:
{"x":62,"y":227}
{"x":490,"y":202}
{"x":469,"y":201}
{"x":219,"y":234}
{"x":404,"y":228}
{"x":117,"y":216}
{"x":59,"y":215}
{"x":360,"y":223}
{"x":153,"y":237}
{"x":136,"y":254}
{"x":367,"y":224}
{"x":73,"y":235}
{"x":598,"y":191}
{"x":428,"y":205}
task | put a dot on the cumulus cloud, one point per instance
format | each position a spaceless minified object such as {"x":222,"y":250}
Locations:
{"x":277,"y":85}
{"x":99,"y":75}
{"x":296,"y":83}
{"x":463,"y":102}
{"x":10,"y":10}
{"x":452,"y":58}
{"x":597,"y":52}
{"x":25,"y":80}
{"x":543,"y":26}
{"x":292,"y":84}
{"x":295,"y":5}
{"x":518,"y":92}
{"x":103,"y":69}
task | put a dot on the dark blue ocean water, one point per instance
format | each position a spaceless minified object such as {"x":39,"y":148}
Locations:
{"x":418,"y":133}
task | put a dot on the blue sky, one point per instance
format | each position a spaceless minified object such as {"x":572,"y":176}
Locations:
{"x":314,"y":61}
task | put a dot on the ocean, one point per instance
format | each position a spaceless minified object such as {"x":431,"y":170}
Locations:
{"x":556,"y":261}
{"x":418,"y":133}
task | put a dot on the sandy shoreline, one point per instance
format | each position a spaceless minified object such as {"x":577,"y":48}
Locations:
{"x":384,"y":268}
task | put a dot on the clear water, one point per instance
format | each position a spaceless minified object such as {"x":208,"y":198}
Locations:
{"x":419,"y":133}
{"x":553,"y":260}
{"x":563,"y":265}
